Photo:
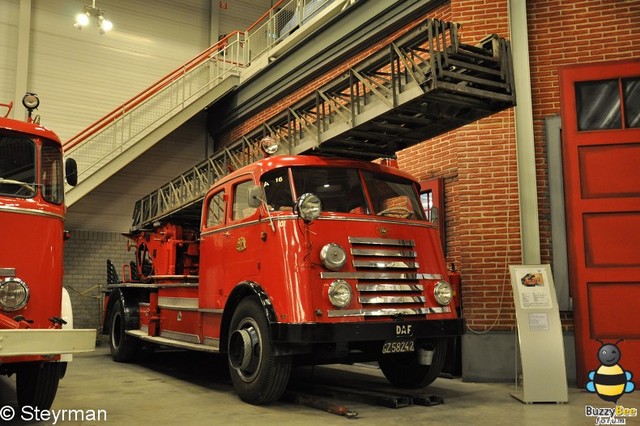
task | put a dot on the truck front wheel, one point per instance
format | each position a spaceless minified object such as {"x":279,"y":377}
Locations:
{"x":405,"y":370}
{"x":37,"y":383}
{"x":124,"y":348}
{"x":258,"y":376}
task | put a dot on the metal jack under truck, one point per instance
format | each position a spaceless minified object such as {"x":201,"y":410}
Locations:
{"x":36,"y":324}
{"x":323,"y":258}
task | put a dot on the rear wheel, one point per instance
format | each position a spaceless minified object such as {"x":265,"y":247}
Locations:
{"x":124,"y":348}
{"x":37,"y":383}
{"x":405,"y":371}
{"x":258,"y":376}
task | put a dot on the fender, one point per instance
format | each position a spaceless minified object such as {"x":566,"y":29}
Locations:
{"x":240,"y":291}
{"x":131,"y":311}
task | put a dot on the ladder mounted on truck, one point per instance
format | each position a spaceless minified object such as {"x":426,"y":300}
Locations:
{"x":420,"y":86}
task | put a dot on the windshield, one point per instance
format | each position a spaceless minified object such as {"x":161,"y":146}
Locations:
{"x":17,"y":166}
{"x":343,"y":190}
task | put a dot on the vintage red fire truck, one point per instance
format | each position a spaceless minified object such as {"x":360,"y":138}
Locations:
{"x":35,"y":310}
{"x":293,"y":259}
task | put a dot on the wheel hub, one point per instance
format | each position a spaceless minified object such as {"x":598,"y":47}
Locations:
{"x":244,"y":349}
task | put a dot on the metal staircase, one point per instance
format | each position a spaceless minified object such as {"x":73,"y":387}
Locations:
{"x":420,"y":86}
{"x":126,"y":132}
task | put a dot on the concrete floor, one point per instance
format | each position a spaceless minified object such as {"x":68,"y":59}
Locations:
{"x":176,"y":388}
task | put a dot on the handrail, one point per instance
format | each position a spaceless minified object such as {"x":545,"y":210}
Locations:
{"x":146,"y":93}
{"x":131,"y":122}
{"x":267,"y":13}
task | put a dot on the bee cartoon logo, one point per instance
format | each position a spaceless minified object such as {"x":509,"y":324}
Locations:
{"x":610,"y":381}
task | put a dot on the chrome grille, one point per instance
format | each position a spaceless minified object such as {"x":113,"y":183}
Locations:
{"x":388,"y":279}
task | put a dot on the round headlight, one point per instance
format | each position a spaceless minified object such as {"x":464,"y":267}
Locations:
{"x":309,"y":207}
{"x":30,"y":101}
{"x":340,"y":293}
{"x":333,"y":256}
{"x":14,"y":294}
{"x":269,"y":145}
{"x":443,"y":292}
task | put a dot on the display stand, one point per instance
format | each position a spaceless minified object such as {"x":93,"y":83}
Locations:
{"x":539,"y":335}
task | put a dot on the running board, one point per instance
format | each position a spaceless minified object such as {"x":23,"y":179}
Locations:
{"x":142,"y":335}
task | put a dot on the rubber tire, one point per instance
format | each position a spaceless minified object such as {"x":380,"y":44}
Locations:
{"x":37,"y":383}
{"x":124,"y":348}
{"x":404,"y":371}
{"x":270,"y":378}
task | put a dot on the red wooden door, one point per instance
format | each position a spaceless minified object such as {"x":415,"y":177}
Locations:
{"x":601,"y":160}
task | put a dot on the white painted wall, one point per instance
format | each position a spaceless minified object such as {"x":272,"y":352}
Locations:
{"x":81,"y":76}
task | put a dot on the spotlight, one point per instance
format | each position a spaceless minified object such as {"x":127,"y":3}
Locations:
{"x":104,"y":25}
{"x":83,"y":19}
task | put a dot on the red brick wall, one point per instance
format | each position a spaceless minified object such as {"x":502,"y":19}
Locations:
{"x":478,"y":161}
{"x":481,"y":194}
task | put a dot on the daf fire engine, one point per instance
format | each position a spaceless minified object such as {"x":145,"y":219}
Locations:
{"x":318,"y":255}
{"x":35,"y":310}
{"x":293,"y":259}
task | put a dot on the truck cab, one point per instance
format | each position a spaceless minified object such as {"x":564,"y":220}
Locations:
{"x":35,"y":313}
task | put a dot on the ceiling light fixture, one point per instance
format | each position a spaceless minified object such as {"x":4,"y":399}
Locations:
{"x":83,"y":18}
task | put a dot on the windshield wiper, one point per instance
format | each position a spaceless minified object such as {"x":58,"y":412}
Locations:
{"x":32,"y":189}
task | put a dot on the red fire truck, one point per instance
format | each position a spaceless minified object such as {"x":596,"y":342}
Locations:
{"x":319,"y":257}
{"x":35,"y":310}
{"x":293,"y":259}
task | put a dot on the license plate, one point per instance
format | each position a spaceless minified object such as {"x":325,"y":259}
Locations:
{"x":398,"y":346}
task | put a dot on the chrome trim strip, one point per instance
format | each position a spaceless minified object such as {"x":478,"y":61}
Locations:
{"x":229,"y":227}
{"x":383,"y":253}
{"x":377,"y":312}
{"x":183,"y":303}
{"x":170,"y":342}
{"x":211,"y":311}
{"x":380,"y":275}
{"x":178,"y":335}
{"x":375,"y":219}
{"x":10,"y":209}
{"x":212,"y":341}
{"x":392,"y":299}
{"x":162,"y":285}
{"x":385,"y":312}
{"x":7,"y":272}
{"x":382,"y":241}
{"x":385,"y":264}
{"x":430,"y":276}
{"x":389,"y":287}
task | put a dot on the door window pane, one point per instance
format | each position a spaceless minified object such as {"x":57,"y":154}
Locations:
{"x":598,"y":105}
{"x":631,"y":90}
{"x":215,"y":210}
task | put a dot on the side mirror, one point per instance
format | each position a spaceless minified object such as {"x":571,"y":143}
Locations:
{"x":255,"y":196}
{"x":71,"y":171}
{"x":434,"y":214}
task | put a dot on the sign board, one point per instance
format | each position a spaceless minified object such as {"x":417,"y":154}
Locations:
{"x":539,"y":335}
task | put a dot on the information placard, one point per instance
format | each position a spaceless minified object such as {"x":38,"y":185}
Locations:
{"x":539,"y":335}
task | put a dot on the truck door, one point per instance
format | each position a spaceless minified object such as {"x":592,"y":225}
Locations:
{"x":242,"y":236}
{"x":211,"y":251}
{"x":601,"y":157}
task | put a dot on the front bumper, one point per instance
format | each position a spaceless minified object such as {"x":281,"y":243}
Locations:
{"x":343,"y":332}
{"x":23,"y":342}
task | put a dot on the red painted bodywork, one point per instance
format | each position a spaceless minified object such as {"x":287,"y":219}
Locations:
{"x":32,"y":244}
{"x":283,"y":261}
